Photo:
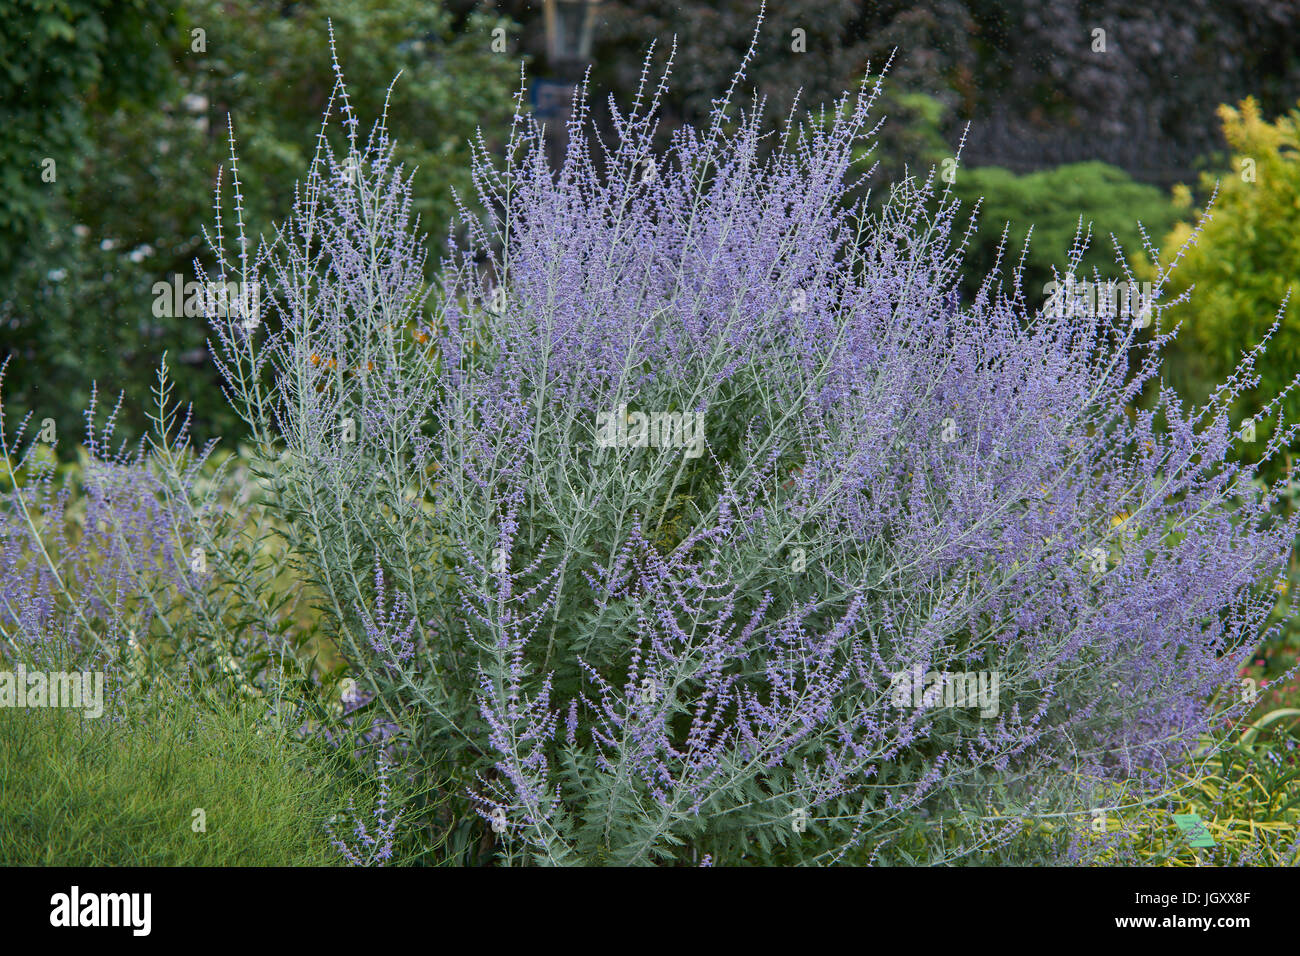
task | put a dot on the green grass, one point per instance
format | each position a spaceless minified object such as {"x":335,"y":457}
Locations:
{"x":122,"y":790}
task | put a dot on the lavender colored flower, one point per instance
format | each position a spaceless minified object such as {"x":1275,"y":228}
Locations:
{"x":370,"y":849}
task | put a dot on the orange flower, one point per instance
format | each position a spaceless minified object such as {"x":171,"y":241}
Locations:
{"x":315,"y":359}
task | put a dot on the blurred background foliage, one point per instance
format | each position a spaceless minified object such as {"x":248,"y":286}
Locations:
{"x":131,"y":101}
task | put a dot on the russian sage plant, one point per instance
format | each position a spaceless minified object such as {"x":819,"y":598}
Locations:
{"x":691,"y":515}
{"x":148,"y":563}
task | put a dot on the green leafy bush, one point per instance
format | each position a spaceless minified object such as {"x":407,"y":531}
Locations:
{"x":1052,"y":202}
{"x":62,"y":62}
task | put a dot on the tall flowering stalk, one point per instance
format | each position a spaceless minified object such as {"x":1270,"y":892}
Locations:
{"x":719,"y":638}
{"x":370,"y":849}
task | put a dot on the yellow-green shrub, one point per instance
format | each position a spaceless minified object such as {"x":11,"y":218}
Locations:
{"x":1244,"y":261}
